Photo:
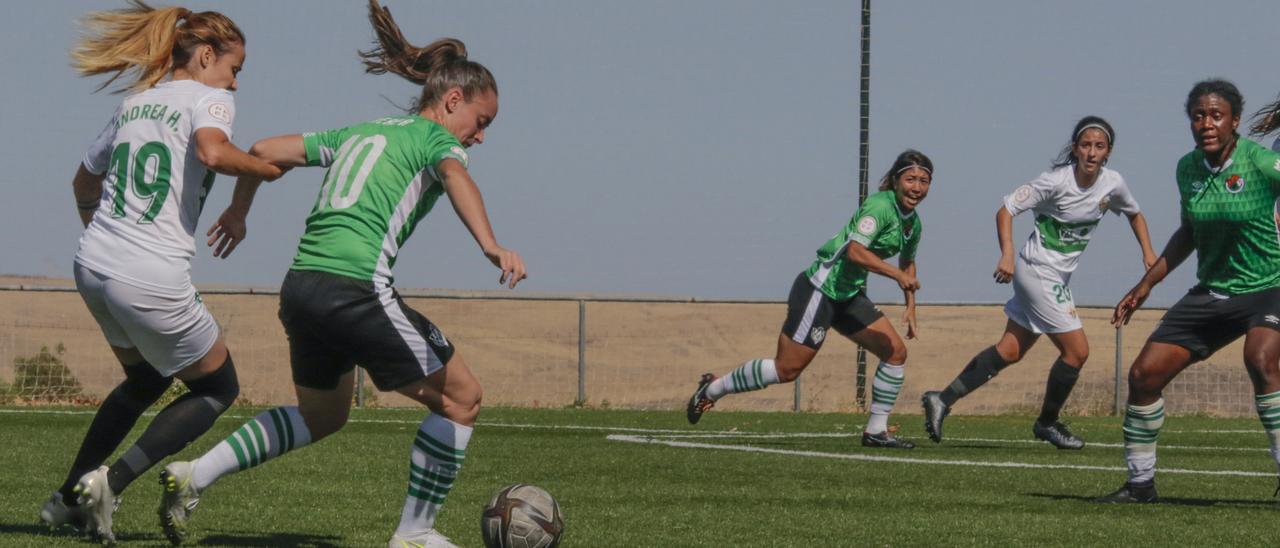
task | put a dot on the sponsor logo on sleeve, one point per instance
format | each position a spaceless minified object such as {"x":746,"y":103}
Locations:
{"x":867,"y":225}
{"x":1023,"y":194}
{"x":1234,"y":184}
{"x":460,"y":154}
{"x":220,"y":112}
{"x":1277,"y":166}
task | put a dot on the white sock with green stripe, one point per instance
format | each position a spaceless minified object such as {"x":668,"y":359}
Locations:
{"x":437,"y":454}
{"x":753,"y":375}
{"x":1269,"y":412}
{"x":272,"y":433}
{"x":1141,"y":430}
{"x":884,"y":393}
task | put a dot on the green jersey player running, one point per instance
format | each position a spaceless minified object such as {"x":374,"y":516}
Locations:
{"x":831,"y":294}
{"x":337,"y":304}
{"x":1229,"y":189}
{"x":1068,"y":202}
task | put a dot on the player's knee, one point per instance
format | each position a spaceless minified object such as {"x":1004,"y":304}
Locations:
{"x":897,"y":353}
{"x":1142,"y":382}
{"x":221,"y":387}
{"x":788,"y":371}
{"x":142,"y":386}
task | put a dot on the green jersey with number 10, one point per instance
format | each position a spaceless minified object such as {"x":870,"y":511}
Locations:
{"x":382,"y":180}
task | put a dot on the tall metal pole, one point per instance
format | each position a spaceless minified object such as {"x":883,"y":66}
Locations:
{"x":864,"y":137}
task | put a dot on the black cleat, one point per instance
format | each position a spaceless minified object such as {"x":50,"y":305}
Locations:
{"x":699,"y":403}
{"x":934,"y":411}
{"x":1139,"y":493}
{"x":883,"y":439}
{"x":1057,"y":434}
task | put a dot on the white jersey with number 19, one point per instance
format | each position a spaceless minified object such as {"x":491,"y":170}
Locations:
{"x":143,"y":232}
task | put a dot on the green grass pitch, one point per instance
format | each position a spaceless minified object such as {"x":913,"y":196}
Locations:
{"x":632,"y":478}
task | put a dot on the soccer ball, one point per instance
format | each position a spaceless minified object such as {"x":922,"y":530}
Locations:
{"x":522,"y":516}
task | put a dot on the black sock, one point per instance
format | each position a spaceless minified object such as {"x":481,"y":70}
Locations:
{"x":981,"y":369}
{"x":1062,"y":378}
{"x":177,"y":425}
{"x":142,"y":386}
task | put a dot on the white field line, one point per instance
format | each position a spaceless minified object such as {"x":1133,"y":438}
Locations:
{"x":688,"y":434}
{"x":908,"y":460}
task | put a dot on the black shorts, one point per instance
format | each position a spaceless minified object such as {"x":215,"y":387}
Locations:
{"x":335,"y":322}
{"x":1204,"y":323}
{"x":810,"y":312}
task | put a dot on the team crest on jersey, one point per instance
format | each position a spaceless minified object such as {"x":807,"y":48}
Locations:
{"x":818,"y":334}
{"x":1234,"y":184}
{"x":867,"y":225}
{"x":907,"y":228}
{"x":1105,"y":203}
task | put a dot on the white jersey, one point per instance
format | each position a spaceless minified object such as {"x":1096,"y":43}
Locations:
{"x":1067,"y":215}
{"x":143,"y":232}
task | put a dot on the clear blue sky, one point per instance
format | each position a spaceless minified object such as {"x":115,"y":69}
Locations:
{"x":701,"y":148}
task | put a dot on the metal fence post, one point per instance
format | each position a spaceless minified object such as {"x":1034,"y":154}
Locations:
{"x":796,"y":405}
{"x":582,"y":352}
{"x":359,"y":387}
{"x":1118,"y":409}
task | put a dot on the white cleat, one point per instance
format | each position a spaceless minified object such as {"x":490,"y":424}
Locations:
{"x":429,"y":539}
{"x":178,"y":500}
{"x":98,"y":504}
{"x":56,"y":513}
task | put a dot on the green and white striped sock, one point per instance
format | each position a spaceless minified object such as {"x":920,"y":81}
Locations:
{"x":1141,"y":430}
{"x":753,"y":375}
{"x":272,"y":433}
{"x":884,"y":393}
{"x":1269,"y":412}
{"x":437,"y":454}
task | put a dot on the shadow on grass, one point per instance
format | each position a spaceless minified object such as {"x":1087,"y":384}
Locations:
{"x":1174,"y":501}
{"x":272,"y":539}
{"x":65,"y":532}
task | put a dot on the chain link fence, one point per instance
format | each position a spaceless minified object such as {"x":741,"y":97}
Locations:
{"x":634,"y":353}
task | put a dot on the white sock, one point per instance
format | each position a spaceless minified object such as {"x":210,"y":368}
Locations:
{"x":753,"y":375}
{"x":884,"y":393}
{"x":1269,"y":412}
{"x":1142,"y":425}
{"x":437,"y":454}
{"x":272,"y":433}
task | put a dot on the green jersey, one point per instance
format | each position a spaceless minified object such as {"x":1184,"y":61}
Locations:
{"x":382,"y":180}
{"x":880,"y":227}
{"x":1232,"y":213}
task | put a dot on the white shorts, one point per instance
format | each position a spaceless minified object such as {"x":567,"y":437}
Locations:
{"x":171,"y":332}
{"x":1041,"y":299}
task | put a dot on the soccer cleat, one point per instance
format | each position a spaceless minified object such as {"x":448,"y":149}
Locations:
{"x":1140,"y":493}
{"x":429,"y":539}
{"x":934,"y":411}
{"x":699,"y":403}
{"x":883,"y":439}
{"x":178,"y":500}
{"x":98,"y":503}
{"x":1057,"y":434}
{"x":56,"y":513}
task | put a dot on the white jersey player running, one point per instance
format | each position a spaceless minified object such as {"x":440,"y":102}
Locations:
{"x":1068,"y":203}
{"x":140,"y":190}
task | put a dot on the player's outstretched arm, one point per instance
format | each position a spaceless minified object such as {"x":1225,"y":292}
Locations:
{"x":1138,"y":222}
{"x":1177,"y":250}
{"x":1004,"y":236}
{"x":87,"y":188}
{"x":216,"y":152}
{"x":469,"y":205}
{"x":284,"y":152}
{"x":863,"y":257}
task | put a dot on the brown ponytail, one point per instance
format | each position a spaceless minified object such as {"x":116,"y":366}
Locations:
{"x":438,"y":67}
